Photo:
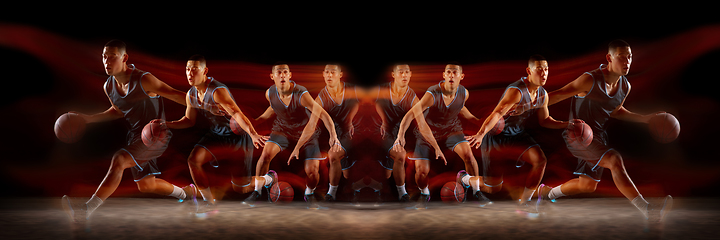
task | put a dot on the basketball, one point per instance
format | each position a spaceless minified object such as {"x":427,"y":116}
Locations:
{"x":235,"y":127}
{"x":69,"y":127}
{"x":285,"y":195}
{"x":579,"y":132}
{"x":155,"y":134}
{"x":447,"y":193}
{"x":664,"y":127}
{"x":499,"y":126}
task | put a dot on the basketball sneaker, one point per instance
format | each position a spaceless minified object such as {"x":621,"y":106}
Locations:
{"x":422,"y":201}
{"x":482,"y":200}
{"x":657,"y":212}
{"x":77,"y":211}
{"x":311,"y":201}
{"x":459,"y":182}
{"x":250,"y":200}
{"x":274,"y":186}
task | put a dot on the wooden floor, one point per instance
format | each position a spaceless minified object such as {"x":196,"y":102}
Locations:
{"x":164,"y":218}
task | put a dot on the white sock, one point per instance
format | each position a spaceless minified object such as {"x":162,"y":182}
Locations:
{"x":268,"y":180}
{"x":332,"y":190}
{"x":401,"y":190}
{"x":641,"y":204}
{"x":258,"y":187}
{"x":555,"y":192}
{"x":527,"y":195}
{"x":425,"y":191}
{"x":178,"y":193}
{"x":474,"y":184}
{"x":309,"y":191}
{"x":206,"y":194}
{"x":93,"y":204}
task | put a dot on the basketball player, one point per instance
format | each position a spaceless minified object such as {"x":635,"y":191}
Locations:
{"x":212,"y":100}
{"x":443,"y":103}
{"x":136,"y":96}
{"x":596,"y":96}
{"x":294,"y":107}
{"x":521,"y":100}
{"x":394,"y":100}
{"x":339,"y":100}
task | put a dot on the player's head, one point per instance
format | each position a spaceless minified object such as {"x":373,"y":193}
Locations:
{"x":401,"y":75}
{"x":281,"y":75}
{"x":453,"y":74}
{"x":196,"y":70}
{"x":114,"y":57}
{"x":332,"y":74}
{"x":619,"y":57}
{"x":537,"y":70}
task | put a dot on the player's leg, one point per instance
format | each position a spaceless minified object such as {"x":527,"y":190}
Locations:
{"x":263,"y":166}
{"x":537,"y":160}
{"x":465,"y":152}
{"x":398,"y":173}
{"x":198,"y":157}
{"x":335,"y":172}
{"x":422,"y":168}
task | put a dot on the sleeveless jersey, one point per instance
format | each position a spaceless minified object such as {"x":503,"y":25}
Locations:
{"x":595,"y":107}
{"x":292,"y":118}
{"x":515,"y":119}
{"x":339,"y":111}
{"x":443,"y":119}
{"x":394,"y":113}
{"x":137,"y":106}
{"x":210,"y":110}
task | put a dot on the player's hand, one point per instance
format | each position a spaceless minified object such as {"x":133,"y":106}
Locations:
{"x":162,"y":123}
{"x":399,"y":144}
{"x":475,"y":140}
{"x":84,"y":117}
{"x":335,"y":145}
{"x":650,"y":116}
{"x":351,"y":130}
{"x":258,"y":140}
{"x":382,"y":130}
{"x":294,"y":155}
{"x":439,"y":155}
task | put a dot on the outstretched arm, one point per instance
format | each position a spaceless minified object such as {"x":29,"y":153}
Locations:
{"x":317,"y":113}
{"x":622,"y":113}
{"x":152,"y":84}
{"x":546,"y":120}
{"x":511,"y":97}
{"x":186,"y":121}
{"x":582,"y":85}
{"x":222,"y":97}
{"x":110,"y":114}
{"x":416,"y":113}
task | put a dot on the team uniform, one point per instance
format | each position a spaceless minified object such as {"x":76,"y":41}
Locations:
{"x":220,"y":140}
{"x":138,"y":109}
{"x":340,"y":113}
{"x":394,"y":114}
{"x":443,"y":122}
{"x":290,"y":122}
{"x":595,"y":109}
{"x":513,"y":141}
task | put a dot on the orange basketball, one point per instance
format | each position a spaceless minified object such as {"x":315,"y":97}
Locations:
{"x":664,"y":127}
{"x":235,"y":127}
{"x":284,"y":195}
{"x":447,"y":193}
{"x":155,"y":134}
{"x":578,"y":132}
{"x":69,"y":127}
{"x":499,"y":126}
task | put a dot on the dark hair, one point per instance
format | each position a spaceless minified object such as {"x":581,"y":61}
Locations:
{"x":456,"y":64}
{"x":120,"y":45}
{"x":618,"y":43}
{"x":335,"y":64}
{"x":535,"y":58}
{"x":198,"y":58}
{"x":278,"y":63}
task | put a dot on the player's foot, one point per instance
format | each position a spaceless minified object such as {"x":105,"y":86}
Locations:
{"x":459,"y":183}
{"x":77,"y":211}
{"x":527,"y":209}
{"x":311,"y":201}
{"x":378,"y":198}
{"x":329,"y":199}
{"x":250,"y":200}
{"x":356,"y":199}
{"x":543,"y":191}
{"x":482,"y":200}
{"x":206,"y":209}
{"x":657,"y":212}
{"x":274,"y":186}
{"x":422,"y":201}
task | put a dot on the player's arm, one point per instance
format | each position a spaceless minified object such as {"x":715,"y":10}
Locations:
{"x":545,"y":120}
{"x":317,"y":113}
{"x":381,"y":113}
{"x":581,"y":85}
{"x":351,"y":115}
{"x":467,"y":115}
{"x":511,"y":97}
{"x":269,"y":112}
{"x":222,"y":97}
{"x":622,"y":113}
{"x":416,"y":113}
{"x":152,"y":84}
{"x":186,"y":121}
{"x":110,"y":114}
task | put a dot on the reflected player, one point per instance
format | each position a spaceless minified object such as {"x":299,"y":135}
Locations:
{"x":521,"y":100}
{"x":137,"y":97}
{"x":441,"y":105}
{"x":294,"y":108}
{"x":596,"y":96}
{"x":394,"y":99}
{"x":339,"y":100}
{"x":212,"y":100}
